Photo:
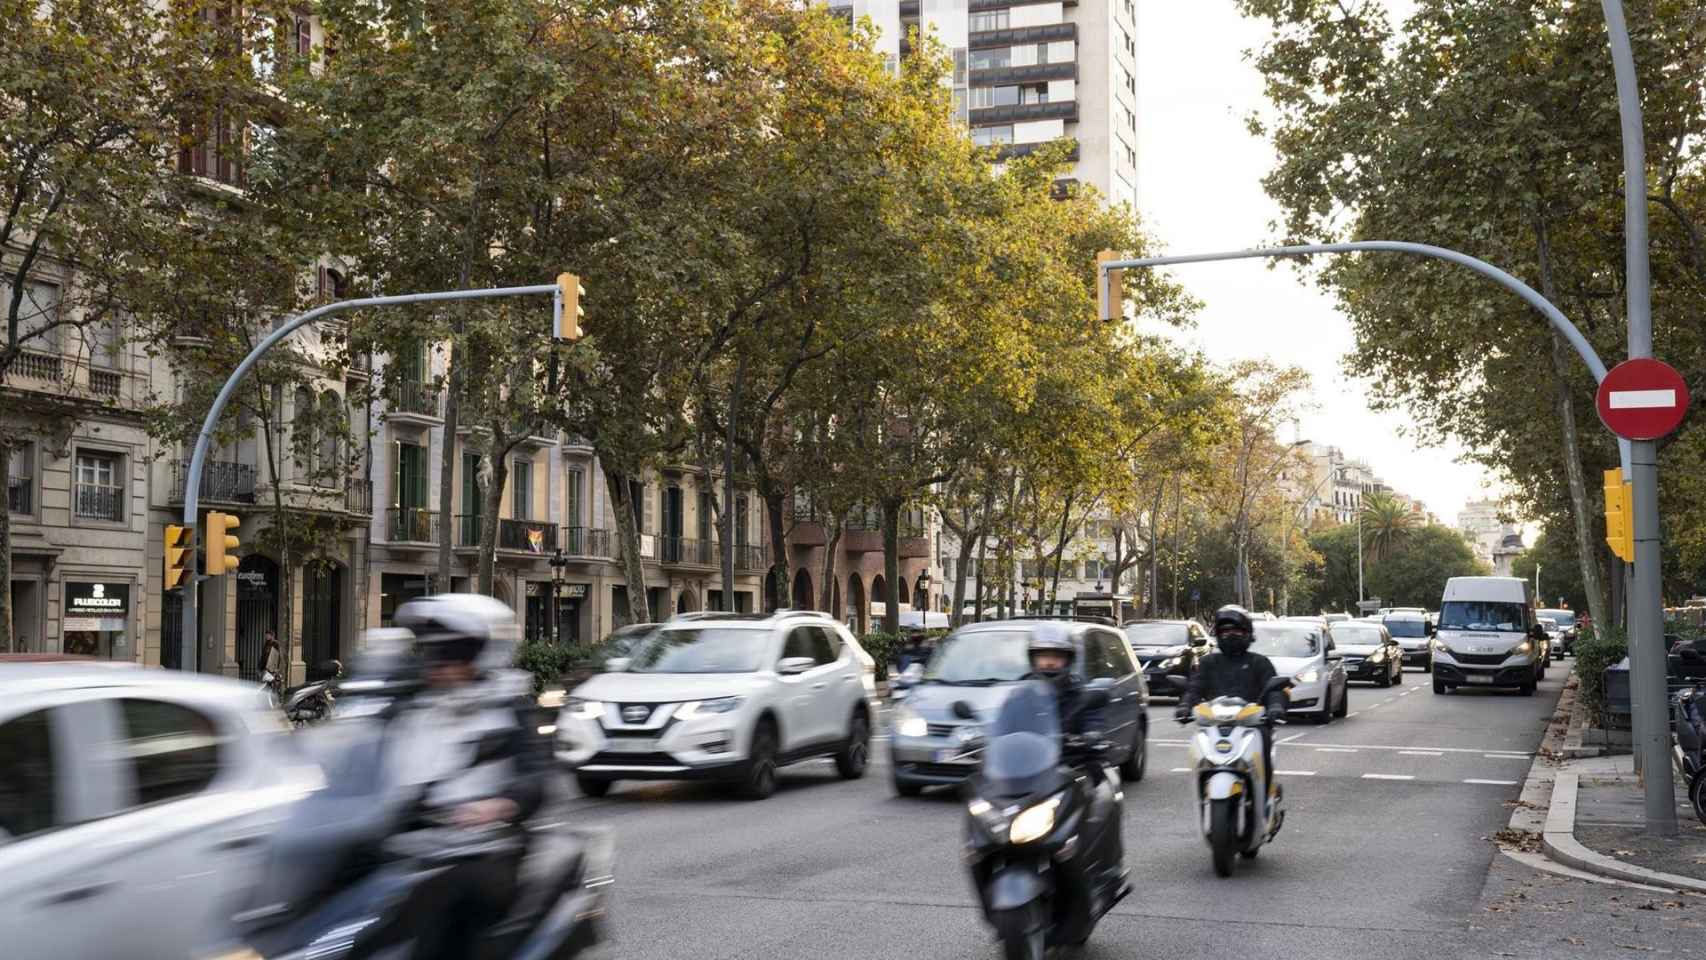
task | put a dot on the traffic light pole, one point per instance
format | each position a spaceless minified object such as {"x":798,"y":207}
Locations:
{"x":1649,"y":701}
{"x":192,"y":485}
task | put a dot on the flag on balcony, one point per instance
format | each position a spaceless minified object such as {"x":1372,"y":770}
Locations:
{"x":536,"y":541}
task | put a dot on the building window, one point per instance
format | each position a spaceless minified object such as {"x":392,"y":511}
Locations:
{"x":959,"y":66}
{"x":21,"y":479}
{"x":37,"y":313}
{"x":992,"y":59}
{"x":989,"y":136}
{"x":576,"y":481}
{"x":303,"y":34}
{"x":741,"y":516}
{"x":1042,"y":53}
{"x":992,"y":20}
{"x":329,"y":434}
{"x":99,"y":490}
{"x":521,"y":490}
{"x":1033,"y":94}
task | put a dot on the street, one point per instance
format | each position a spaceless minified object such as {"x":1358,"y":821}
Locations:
{"x":1384,"y":851}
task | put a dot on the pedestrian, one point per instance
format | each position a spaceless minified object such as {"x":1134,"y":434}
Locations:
{"x":269,"y":655}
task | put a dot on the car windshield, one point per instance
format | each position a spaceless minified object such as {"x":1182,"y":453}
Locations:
{"x":1277,"y":639}
{"x":624,"y":639}
{"x":1480,"y":615}
{"x":1356,"y":635}
{"x":980,"y":656}
{"x":1565,"y":618}
{"x":1407,"y":627}
{"x":1158,"y":634}
{"x":701,"y":650}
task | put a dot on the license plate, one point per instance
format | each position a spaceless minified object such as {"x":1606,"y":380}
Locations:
{"x":948,"y":756}
{"x":633,"y":746}
{"x":1478,"y":678}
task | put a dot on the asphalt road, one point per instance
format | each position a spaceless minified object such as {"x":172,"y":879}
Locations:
{"x":1384,"y":851}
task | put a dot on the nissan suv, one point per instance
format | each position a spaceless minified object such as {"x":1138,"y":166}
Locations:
{"x":728,"y":697}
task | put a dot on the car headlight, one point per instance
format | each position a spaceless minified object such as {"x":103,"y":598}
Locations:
{"x":1378,"y":656}
{"x":1169,"y":663}
{"x":1035,"y":822}
{"x":700,"y":708}
{"x":911,"y":724}
{"x":1522,"y":649}
{"x":583,"y":709}
{"x":1308,"y":676}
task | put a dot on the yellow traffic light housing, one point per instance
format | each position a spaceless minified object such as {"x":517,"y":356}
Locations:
{"x":221,"y":545}
{"x":177,"y":544}
{"x":1620,"y":515}
{"x":567,"y":324}
{"x":1110,"y":298}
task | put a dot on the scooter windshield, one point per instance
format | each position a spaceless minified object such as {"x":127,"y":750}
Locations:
{"x":1022,"y":753}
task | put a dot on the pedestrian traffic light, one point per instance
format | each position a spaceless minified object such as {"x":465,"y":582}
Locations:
{"x":1110,"y":298}
{"x":177,"y":544}
{"x":1619,"y":515}
{"x":221,"y":545}
{"x":569,"y":312}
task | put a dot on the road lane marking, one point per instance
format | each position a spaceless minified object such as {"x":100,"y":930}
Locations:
{"x":1335,"y":750}
{"x":1421,"y":753}
{"x":1294,"y":773}
{"x":1493,"y":783}
{"x":1480,"y":750}
{"x":1371,"y":706}
{"x":1387,"y":776}
{"x":1180,"y":770}
{"x":1352,"y":714}
{"x":1506,"y":756}
{"x":1295,"y":736}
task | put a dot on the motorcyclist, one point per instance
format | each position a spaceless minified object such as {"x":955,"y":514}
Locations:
{"x":1234,"y":671}
{"x":1051,"y":653}
{"x":469,"y":742}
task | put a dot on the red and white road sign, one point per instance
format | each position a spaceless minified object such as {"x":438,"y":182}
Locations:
{"x":1642,"y":399}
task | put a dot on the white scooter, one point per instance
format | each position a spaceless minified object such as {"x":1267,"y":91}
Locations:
{"x":1232,"y":780}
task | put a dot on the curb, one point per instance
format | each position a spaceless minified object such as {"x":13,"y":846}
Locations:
{"x":1559,"y":841}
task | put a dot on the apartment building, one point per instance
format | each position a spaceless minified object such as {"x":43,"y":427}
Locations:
{"x":1028,"y":73}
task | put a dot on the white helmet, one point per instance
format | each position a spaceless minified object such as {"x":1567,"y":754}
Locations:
{"x":467,"y":627}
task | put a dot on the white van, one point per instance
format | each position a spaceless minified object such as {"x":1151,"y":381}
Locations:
{"x":1487,"y":636}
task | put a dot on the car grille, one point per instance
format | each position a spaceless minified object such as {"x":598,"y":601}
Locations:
{"x":1479,"y":659}
{"x":635,"y":759}
{"x":941,"y":729}
{"x":943,"y":769}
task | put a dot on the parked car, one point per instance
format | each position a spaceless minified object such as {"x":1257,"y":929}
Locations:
{"x":731,"y":698}
{"x":1487,"y":636}
{"x":1305,"y":652}
{"x":1568,"y":629}
{"x":134,"y":806}
{"x":1167,"y":648}
{"x":980,"y":665}
{"x":1411,"y":630}
{"x":1332,"y":618}
{"x":1370,"y":653}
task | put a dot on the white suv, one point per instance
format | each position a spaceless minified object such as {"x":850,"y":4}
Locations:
{"x":723,"y":696}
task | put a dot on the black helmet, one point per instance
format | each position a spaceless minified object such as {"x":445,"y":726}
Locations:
{"x":1051,"y":638}
{"x":1233,"y":629}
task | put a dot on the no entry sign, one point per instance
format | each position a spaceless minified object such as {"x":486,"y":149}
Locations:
{"x":1642,"y":399}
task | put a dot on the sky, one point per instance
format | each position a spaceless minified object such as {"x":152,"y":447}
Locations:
{"x":1199,"y":190}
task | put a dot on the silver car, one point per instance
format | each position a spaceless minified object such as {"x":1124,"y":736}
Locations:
{"x":134,"y":806}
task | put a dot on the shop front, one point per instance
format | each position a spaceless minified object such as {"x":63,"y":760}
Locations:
{"x":97,"y":617}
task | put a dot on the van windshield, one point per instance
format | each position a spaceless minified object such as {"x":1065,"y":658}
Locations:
{"x":1480,"y":615}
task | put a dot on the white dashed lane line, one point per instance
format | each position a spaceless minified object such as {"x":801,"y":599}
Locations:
{"x":1506,"y":756}
{"x":1493,"y":783}
{"x":1294,"y":773}
{"x":1420,"y":753}
{"x":1387,"y":776}
{"x":1335,"y":750}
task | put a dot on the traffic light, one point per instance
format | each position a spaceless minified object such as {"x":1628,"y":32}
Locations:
{"x":221,"y":545}
{"x":1619,"y":515}
{"x":569,"y":312}
{"x":177,"y":544}
{"x":1111,"y":303}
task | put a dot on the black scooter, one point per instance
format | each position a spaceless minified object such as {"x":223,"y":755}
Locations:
{"x":1043,"y":834}
{"x":1688,"y":714}
{"x":313,"y":702}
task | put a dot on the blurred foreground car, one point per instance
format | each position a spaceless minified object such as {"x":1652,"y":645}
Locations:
{"x":134,"y":806}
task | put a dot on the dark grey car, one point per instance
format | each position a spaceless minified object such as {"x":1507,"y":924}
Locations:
{"x":980,"y":664}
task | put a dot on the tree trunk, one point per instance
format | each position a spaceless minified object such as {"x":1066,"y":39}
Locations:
{"x":1154,"y":605}
{"x":447,"y":467}
{"x":891,"y":565}
{"x":1587,"y":546}
{"x":1178,"y":524}
{"x":779,"y":564}
{"x":272,"y":440}
{"x":6,"y":551}
{"x":729,"y":511}
{"x":982,"y":560}
{"x":831,"y":544}
{"x":492,"y":500}
{"x":957,"y":613}
{"x":628,"y":535}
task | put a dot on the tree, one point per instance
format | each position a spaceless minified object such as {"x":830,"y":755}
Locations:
{"x":1385,"y":523}
{"x":1414,"y":572}
{"x":1560,"y":578}
{"x":1268,"y":397}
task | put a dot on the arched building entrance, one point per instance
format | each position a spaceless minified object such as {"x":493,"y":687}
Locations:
{"x":803,"y":590}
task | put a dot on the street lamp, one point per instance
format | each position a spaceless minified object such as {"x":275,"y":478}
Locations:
{"x":559,"y":569}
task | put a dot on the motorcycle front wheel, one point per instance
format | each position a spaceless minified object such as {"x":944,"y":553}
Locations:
{"x":1022,"y":938}
{"x":1023,"y":946}
{"x":1222,"y":834}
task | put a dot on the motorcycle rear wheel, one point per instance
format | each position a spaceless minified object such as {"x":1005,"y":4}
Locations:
{"x":1023,"y":946}
{"x":1222,"y":835}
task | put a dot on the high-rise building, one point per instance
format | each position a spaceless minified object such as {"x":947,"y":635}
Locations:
{"x":1028,"y":73}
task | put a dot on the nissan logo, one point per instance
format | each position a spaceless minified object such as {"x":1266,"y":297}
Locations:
{"x":635,"y":714}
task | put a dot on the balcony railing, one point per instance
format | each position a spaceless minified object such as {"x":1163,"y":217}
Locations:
{"x":39,"y":366}
{"x":411,"y":525}
{"x":94,"y":501}
{"x":222,"y":481}
{"x":358,"y":497}
{"x":104,"y":383}
{"x":751,"y":556}
{"x":527,"y":536}
{"x":20,"y":495}
{"x":412,"y":396}
{"x":587,"y":542}
{"x":1022,"y":112}
{"x":685,"y":550}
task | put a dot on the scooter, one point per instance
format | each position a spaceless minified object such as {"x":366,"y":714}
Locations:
{"x":313,"y":702}
{"x":1234,"y":810}
{"x":1688,"y":714}
{"x":1042,"y":834}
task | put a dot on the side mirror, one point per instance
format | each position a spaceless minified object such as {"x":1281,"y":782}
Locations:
{"x":616,"y":665}
{"x":793,"y":666}
{"x":963,"y":710}
{"x":1095,"y":698}
{"x":1431,"y":630}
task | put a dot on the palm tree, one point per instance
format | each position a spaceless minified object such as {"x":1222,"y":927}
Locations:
{"x":1385,"y":522}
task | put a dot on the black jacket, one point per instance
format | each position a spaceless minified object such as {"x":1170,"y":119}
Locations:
{"x":1075,"y":716}
{"x":1223,"y":675}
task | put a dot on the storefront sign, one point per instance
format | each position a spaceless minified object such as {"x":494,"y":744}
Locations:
{"x":105,"y":601}
{"x":575,"y":591}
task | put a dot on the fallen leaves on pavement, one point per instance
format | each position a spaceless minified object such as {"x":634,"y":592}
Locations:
{"x":1527,"y":841}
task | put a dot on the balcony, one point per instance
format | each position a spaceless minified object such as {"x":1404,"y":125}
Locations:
{"x":104,"y":383}
{"x":587,"y":542}
{"x":406,"y":526}
{"x":1022,"y":36}
{"x":20,"y":495}
{"x":682,"y":551}
{"x":751,"y":557}
{"x":38,"y":366}
{"x":95,"y":501}
{"x":514,"y":536}
{"x":358,"y":497}
{"x":1025,"y":112}
{"x":412,"y":398}
{"x":222,"y":481}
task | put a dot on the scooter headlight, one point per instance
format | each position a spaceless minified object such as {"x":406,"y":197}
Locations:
{"x":1035,"y":823}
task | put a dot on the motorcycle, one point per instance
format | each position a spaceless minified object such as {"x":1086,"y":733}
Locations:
{"x":1042,"y":834}
{"x":313,"y":702}
{"x":1688,"y":714}
{"x":1235,"y":811}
